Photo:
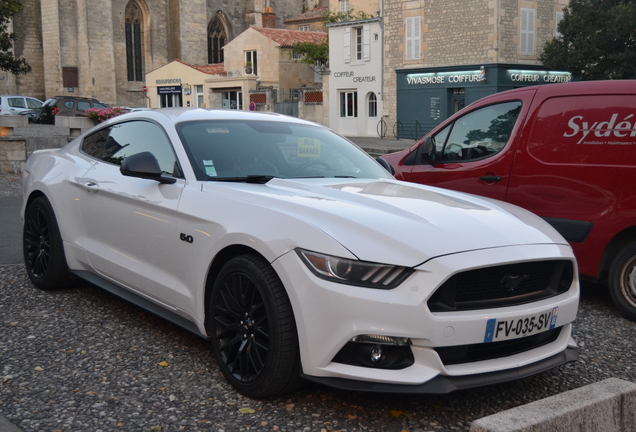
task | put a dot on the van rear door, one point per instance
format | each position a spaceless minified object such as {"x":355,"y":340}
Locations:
{"x":475,"y":148}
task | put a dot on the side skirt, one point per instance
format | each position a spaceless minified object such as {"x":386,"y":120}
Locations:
{"x":139,"y":301}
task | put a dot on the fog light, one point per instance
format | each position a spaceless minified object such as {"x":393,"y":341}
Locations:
{"x":376,"y":354}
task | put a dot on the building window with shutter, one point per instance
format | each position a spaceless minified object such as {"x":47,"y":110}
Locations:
{"x":526,"y":40}
{"x":413,"y":38}
{"x":358,"y":33}
{"x":134,"y":44}
{"x":251,"y":60}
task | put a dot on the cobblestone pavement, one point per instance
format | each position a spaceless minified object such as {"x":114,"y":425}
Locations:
{"x":82,"y":360}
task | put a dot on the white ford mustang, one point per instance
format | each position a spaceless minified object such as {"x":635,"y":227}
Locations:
{"x":298,"y":256}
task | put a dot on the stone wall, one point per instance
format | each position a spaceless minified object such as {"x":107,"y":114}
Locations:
{"x":460,"y":32}
{"x":90,"y":35}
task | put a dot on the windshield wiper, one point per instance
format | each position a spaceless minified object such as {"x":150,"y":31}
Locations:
{"x":253,"y":178}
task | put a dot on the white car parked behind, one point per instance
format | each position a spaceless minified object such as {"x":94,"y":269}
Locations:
{"x":14,"y":105}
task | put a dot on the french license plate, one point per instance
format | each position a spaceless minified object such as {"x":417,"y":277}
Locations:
{"x":504,"y":329}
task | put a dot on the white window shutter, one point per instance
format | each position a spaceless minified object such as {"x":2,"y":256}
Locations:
{"x":526,"y":36}
{"x":347,"y":45}
{"x":559,"y":17}
{"x":366,"y":40}
{"x":417,"y":38}
{"x":413,"y":38}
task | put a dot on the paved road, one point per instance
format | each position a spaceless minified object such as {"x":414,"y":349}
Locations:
{"x":11,"y":231}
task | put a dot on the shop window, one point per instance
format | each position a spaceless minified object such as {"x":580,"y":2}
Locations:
{"x":373,"y":105}
{"x":413,"y":38}
{"x":252,"y":59}
{"x":217,"y":36}
{"x":233,"y":100}
{"x":169,"y":100}
{"x":134,"y":37}
{"x":349,"y":104}
{"x":526,"y":40}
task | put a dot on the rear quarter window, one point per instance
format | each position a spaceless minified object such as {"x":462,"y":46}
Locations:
{"x":591,"y":130}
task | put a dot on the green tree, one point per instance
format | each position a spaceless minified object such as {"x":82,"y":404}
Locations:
{"x":8,"y":62}
{"x":597,"y":41}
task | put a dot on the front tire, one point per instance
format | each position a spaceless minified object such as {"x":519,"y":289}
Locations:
{"x":42,"y":247}
{"x":622,"y":281}
{"x":253,"y":329}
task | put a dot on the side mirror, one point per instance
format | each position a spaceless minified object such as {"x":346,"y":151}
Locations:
{"x":385,"y":164}
{"x":428,"y":150}
{"x":144,"y":165}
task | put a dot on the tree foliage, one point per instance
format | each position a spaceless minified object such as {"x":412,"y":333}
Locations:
{"x":318,"y":54}
{"x":597,"y":41}
{"x":8,"y":10}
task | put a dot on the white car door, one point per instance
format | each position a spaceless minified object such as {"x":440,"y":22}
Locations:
{"x":130,"y":223}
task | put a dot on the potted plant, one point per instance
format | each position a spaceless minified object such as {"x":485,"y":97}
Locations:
{"x":248,"y":67}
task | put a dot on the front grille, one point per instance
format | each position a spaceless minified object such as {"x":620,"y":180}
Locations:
{"x":487,"y":351}
{"x":505,"y":285}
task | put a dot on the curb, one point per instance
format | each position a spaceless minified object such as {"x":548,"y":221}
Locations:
{"x":7,"y":426}
{"x":608,"y":406}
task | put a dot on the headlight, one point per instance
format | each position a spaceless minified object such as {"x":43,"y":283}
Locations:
{"x":354,"y":272}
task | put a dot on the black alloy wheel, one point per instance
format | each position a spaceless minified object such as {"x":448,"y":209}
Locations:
{"x":42,"y":247}
{"x":253,"y":329}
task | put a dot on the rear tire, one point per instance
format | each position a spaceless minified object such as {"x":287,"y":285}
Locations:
{"x":253,"y":329}
{"x":622,"y":281}
{"x":42,"y":247}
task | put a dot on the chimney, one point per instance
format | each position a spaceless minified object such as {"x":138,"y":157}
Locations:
{"x":269,"y":18}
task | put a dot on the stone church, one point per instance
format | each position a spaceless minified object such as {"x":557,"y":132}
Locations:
{"x":103,"y":49}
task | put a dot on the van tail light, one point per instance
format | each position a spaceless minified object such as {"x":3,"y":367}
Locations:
{"x":54,"y":110}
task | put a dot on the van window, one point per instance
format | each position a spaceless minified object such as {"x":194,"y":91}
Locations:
{"x":478,"y":134}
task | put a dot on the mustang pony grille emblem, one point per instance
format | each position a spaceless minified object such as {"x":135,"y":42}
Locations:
{"x":512,"y":282}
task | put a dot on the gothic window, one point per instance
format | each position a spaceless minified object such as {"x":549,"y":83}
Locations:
{"x":216,"y":39}
{"x":134,"y":32}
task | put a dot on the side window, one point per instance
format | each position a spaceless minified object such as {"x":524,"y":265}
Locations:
{"x":33,"y":103}
{"x":16,"y":102}
{"x":98,"y":105}
{"x":83,"y":106}
{"x":113,"y":144}
{"x":480,"y":133}
{"x":68,"y":104}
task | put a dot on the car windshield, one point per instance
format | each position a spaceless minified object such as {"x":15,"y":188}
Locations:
{"x":252,"y":150}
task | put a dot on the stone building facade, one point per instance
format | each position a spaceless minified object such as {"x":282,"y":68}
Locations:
{"x":459,"y":32}
{"x":104,"y":49}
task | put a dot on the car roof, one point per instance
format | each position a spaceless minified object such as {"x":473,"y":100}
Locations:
{"x":177,"y":115}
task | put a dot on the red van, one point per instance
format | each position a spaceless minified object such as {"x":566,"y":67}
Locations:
{"x":566,"y":152}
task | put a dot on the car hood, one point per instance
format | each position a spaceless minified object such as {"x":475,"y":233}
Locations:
{"x":396,"y":222}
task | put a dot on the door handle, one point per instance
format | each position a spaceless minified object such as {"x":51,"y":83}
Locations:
{"x":490,"y":179}
{"x":91,"y":187}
